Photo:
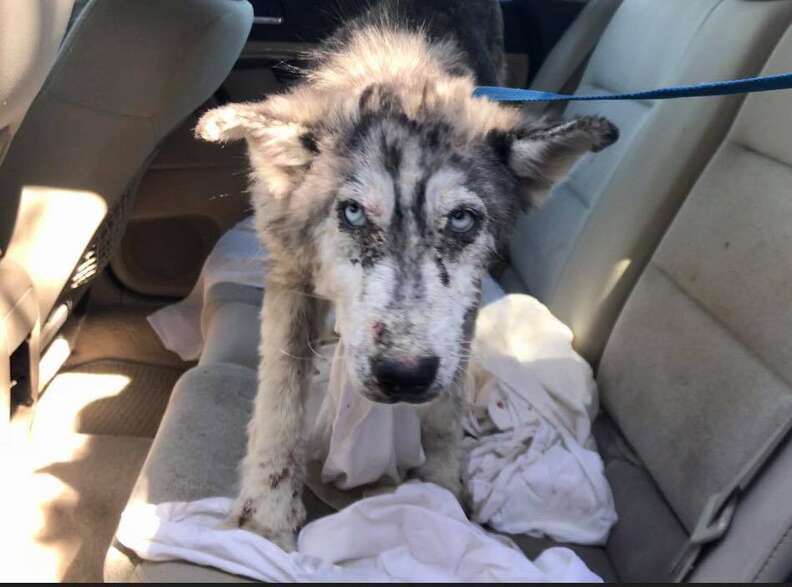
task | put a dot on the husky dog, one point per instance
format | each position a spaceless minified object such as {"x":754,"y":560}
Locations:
{"x":380,"y":184}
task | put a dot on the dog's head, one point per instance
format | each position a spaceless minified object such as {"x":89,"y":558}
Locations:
{"x":395,"y":200}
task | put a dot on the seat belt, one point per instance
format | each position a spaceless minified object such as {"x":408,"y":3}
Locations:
{"x":719,"y":509}
{"x":718,"y":512}
{"x":768,"y":83}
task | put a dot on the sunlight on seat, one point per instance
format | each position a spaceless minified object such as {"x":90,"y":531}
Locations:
{"x":21,"y":48}
{"x":34,"y":552}
{"x":614,"y":277}
{"x":62,"y":505}
{"x":68,"y":394}
{"x":53,"y":228}
{"x":53,"y":359}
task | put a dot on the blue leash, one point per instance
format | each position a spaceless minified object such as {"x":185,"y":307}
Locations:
{"x":768,"y":83}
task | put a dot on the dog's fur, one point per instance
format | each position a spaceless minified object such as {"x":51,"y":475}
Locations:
{"x":386,"y":121}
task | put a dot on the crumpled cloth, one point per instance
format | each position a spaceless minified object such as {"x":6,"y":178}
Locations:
{"x":416,"y":533}
{"x":531,"y":463}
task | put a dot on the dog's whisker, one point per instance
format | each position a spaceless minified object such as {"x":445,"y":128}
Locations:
{"x":344,"y":357}
{"x":497,"y":254}
{"x":314,"y":351}
{"x":291,"y":356}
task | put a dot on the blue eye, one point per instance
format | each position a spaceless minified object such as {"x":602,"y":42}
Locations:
{"x":461,"y":220}
{"x":354,"y":214}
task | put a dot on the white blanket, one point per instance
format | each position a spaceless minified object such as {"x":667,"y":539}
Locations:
{"x":416,"y":533}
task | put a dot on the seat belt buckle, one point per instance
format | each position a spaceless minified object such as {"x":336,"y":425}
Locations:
{"x":714,"y":521}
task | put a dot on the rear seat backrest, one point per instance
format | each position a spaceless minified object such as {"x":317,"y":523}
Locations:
{"x":25,"y":63}
{"x":698,"y":371}
{"x":565,"y":62}
{"x":128,"y":73}
{"x":583,"y":251}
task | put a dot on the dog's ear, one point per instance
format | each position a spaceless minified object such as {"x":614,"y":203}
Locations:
{"x":280,"y":151}
{"x":380,"y":98}
{"x":541,"y":153}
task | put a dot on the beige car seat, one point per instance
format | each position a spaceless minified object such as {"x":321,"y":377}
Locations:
{"x":127,"y":74}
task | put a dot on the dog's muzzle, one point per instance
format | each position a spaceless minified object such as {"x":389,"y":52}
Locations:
{"x":406,"y":379}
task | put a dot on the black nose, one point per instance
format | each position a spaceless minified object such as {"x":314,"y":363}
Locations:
{"x":405,"y":380}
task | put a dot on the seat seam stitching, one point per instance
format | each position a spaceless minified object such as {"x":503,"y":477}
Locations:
{"x":57,"y":96}
{"x":725,"y":327}
{"x":754,"y":151}
{"x":784,"y":538}
{"x":577,"y":194}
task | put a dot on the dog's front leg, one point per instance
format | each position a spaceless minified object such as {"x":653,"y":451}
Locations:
{"x":441,"y":438}
{"x":270,"y":498}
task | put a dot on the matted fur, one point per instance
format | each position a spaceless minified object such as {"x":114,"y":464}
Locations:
{"x":381,"y":186}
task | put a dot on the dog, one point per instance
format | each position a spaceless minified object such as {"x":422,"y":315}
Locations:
{"x":382,"y":186}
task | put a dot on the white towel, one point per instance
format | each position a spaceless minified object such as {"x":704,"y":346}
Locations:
{"x":416,"y":533}
{"x":359,"y":441}
{"x":539,"y":473}
{"x":237,"y":257}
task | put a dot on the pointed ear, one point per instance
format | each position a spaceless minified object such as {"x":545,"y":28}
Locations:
{"x":541,"y":153}
{"x":279,"y":151}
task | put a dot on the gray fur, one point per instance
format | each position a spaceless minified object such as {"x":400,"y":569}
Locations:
{"x":475,"y":26}
{"x":385,"y":124}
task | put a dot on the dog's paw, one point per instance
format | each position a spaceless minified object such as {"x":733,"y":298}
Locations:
{"x":276,"y":515}
{"x":603,"y":132}
{"x":446,"y":477}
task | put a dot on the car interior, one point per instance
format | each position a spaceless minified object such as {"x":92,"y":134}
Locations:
{"x":669,"y":255}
